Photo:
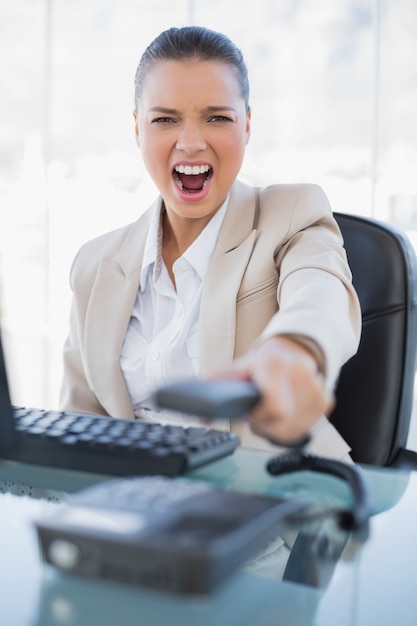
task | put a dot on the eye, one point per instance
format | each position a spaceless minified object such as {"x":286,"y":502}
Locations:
{"x":163,"y":120}
{"x":220,"y":118}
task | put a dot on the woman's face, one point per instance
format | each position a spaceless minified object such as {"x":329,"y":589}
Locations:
{"x":192,"y":128}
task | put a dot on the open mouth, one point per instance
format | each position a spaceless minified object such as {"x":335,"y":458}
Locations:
{"x":192,"y":178}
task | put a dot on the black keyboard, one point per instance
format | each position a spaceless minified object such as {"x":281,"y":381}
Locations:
{"x":115,"y":447}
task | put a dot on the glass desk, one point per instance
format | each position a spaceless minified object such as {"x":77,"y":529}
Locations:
{"x":370,"y":581}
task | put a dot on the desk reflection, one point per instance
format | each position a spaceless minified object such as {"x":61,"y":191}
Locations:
{"x":347,"y":585}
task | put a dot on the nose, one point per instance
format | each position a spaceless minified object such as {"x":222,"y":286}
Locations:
{"x":191,"y":138}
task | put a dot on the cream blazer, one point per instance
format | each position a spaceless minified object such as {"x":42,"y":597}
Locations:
{"x":279,"y":267}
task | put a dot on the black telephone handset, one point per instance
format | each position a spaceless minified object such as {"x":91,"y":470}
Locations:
{"x":233,"y":399}
{"x":213,"y":399}
{"x":220,"y":398}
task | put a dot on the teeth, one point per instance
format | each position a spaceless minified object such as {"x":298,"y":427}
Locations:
{"x":192,"y":169}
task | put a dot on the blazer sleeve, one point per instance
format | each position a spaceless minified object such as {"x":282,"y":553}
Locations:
{"x":316,"y":298}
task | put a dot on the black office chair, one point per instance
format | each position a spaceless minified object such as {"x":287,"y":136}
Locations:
{"x":374,"y":395}
{"x":375,"y":392}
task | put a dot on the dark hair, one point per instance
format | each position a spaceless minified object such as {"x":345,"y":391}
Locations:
{"x":193,"y":42}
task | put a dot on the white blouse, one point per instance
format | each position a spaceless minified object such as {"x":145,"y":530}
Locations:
{"x":162,"y":339}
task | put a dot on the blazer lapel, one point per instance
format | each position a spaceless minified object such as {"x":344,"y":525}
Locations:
{"x":230,"y":258}
{"x":108,"y":314}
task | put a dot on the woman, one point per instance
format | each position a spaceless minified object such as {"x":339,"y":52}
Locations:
{"x":216,"y":278}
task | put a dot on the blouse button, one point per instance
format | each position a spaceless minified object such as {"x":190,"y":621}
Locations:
{"x":155,"y":355}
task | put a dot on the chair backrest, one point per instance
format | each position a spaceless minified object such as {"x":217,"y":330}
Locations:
{"x":374,"y":395}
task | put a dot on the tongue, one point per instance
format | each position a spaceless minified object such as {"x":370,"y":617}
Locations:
{"x":192,"y":182}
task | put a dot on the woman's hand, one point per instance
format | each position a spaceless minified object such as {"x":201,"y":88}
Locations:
{"x":293,"y":394}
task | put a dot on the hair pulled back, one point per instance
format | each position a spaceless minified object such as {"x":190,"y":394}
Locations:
{"x":193,"y":43}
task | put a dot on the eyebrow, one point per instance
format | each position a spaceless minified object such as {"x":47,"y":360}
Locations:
{"x":209,"y":109}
